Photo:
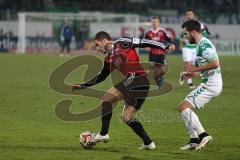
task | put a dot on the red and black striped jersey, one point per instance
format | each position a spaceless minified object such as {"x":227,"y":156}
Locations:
{"x":124,"y":58}
{"x":159,"y":35}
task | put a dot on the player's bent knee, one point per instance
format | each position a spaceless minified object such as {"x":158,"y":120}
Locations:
{"x":155,"y":76}
{"x":126,"y":117}
{"x":151,"y":65}
{"x":163,"y":70}
{"x":184,"y":105}
{"x":108,"y":97}
{"x":112,"y":95}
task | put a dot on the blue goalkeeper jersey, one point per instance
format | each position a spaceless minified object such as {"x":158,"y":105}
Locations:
{"x":67,"y":32}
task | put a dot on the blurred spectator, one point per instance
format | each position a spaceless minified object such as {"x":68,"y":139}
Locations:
{"x":142,"y":7}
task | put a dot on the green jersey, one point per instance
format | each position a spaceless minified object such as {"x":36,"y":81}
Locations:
{"x":206,"y":53}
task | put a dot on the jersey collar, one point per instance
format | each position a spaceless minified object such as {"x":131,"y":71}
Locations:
{"x":155,"y":31}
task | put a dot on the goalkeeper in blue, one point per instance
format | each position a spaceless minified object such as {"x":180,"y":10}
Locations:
{"x":207,"y":65}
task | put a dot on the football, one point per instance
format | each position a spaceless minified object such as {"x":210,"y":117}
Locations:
{"x":85,"y":139}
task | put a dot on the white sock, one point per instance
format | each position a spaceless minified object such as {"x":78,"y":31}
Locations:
{"x":192,"y":123}
{"x":189,"y":81}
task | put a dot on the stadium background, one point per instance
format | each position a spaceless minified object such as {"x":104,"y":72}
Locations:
{"x":221,"y":16}
{"x":29,"y":128}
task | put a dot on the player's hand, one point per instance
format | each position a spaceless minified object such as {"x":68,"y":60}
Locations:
{"x":190,"y":68}
{"x":77,"y":87}
{"x":171,"y":48}
{"x":183,"y":40}
{"x":62,"y":38}
{"x":188,"y":75}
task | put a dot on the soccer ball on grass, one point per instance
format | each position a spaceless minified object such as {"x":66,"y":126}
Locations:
{"x":85,"y":139}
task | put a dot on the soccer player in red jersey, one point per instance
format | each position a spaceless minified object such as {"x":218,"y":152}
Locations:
{"x":122,"y":56}
{"x":157,"y":60}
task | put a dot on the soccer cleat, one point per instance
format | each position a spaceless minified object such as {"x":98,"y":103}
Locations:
{"x":191,"y":86}
{"x":204,"y":142}
{"x":181,"y":80}
{"x":148,"y":147}
{"x":100,"y":138}
{"x":191,"y":145}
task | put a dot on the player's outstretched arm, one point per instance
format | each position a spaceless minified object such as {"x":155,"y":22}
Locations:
{"x":142,"y":43}
{"x":101,"y":76}
{"x":77,"y":87}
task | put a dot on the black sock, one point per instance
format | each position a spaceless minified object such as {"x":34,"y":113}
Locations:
{"x":194,"y":140}
{"x":202,"y":135}
{"x":139,"y":130}
{"x":106,"y":117}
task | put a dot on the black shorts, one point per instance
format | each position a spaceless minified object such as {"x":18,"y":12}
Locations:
{"x":134,"y":89}
{"x":67,"y":41}
{"x":160,"y":59}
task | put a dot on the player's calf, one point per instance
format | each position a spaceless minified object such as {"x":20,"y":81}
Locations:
{"x":128,"y":118}
{"x":106,"y":117}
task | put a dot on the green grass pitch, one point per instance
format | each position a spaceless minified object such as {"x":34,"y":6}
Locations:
{"x":29,"y":129}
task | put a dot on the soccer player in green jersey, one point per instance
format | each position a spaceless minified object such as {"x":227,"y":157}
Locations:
{"x":207,"y":64}
{"x":189,"y":50}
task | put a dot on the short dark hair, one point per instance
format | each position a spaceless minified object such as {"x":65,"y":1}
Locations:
{"x":192,"y":25}
{"x":191,"y":10}
{"x":102,"y":35}
{"x":155,"y":17}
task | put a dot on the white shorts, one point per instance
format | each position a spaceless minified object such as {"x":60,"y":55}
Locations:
{"x":202,"y":95}
{"x":189,"y":54}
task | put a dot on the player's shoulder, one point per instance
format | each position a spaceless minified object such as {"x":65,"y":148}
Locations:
{"x":205,"y":43}
{"x":205,"y":47}
{"x":124,"y":42}
{"x":201,"y":22}
{"x":162,"y":29}
{"x":202,"y":25}
{"x":147,"y":31}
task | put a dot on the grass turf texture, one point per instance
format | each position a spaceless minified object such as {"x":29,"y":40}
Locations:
{"x":29,"y":128}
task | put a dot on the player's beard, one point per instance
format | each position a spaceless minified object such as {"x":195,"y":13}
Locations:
{"x":191,"y":40}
